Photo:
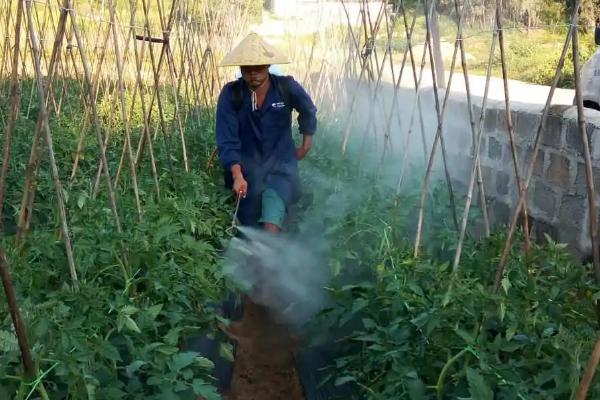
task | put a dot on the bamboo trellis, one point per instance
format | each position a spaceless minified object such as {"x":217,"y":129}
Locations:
{"x":156,"y":54}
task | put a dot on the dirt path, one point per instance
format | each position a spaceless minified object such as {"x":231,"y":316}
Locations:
{"x":264,"y":363}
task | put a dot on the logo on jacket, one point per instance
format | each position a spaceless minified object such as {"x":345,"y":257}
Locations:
{"x":279,"y":104}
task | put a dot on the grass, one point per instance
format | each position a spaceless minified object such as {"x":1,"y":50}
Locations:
{"x":531,"y":56}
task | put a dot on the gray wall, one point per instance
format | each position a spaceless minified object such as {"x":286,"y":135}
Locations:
{"x":557,"y":198}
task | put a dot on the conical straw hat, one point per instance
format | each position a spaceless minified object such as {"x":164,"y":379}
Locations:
{"x":253,"y":50}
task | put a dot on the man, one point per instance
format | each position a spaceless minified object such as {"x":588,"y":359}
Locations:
{"x":254,"y":134}
{"x":590,"y":76}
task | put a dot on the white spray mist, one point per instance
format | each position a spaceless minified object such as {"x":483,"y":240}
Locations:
{"x":286,"y":273}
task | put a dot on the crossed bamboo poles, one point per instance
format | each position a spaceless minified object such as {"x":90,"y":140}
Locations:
{"x":187,"y":50}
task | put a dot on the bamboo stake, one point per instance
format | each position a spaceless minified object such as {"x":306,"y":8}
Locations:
{"x":463,"y":55}
{"x":146,"y":114}
{"x":15,"y":100}
{"x":44,"y":58}
{"x":155,"y":95}
{"x":13,"y":307}
{"x":438,"y":136}
{"x":32,"y":165}
{"x":390,"y":28}
{"x":156,"y":75}
{"x":124,"y":110}
{"x":135,"y":93}
{"x":509,"y":125}
{"x":86,"y":117}
{"x":183,"y":71}
{"x":7,"y":41}
{"x":172,"y":73}
{"x":416,"y":102}
{"x":373,"y":94}
{"x":78,"y":77}
{"x":192,"y":71}
{"x":92,"y":103}
{"x":55,"y":175}
{"x":476,"y":170}
{"x":364,"y":67}
{"x":590,"y":371}
{"x":541,"y":128}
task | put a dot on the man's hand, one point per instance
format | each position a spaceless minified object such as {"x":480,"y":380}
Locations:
{"x":303,"y":150}
{"x":240,"y":186}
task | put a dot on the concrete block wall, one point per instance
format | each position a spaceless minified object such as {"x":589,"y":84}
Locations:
{"x":557,"y":197}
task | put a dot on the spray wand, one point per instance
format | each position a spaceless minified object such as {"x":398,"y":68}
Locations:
{"x":235,"y":221}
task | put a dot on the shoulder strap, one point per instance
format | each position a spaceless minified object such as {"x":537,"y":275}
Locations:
{"x":237,"y":95}
{"x":284,"y":88}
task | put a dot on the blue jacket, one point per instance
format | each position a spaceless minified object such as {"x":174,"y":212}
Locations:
{"x":261,"y":142}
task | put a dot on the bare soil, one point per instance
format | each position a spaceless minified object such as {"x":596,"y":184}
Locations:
{"x":264,"y":362}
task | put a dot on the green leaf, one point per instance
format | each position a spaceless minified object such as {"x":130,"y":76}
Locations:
{"x":182,"y":360}
{"x":129,"y":310}
{"x":550,"y":331}
{"x":416,"y":389}
{"x":134,"y":366}
{"x":168,"y":350}
{"x":466,"y":336}
{"x":8,"y":342}
{"x":368,"y":323}
{"x":226,"y":351}
{"x":179,"y":386}
{"x":154,"y":310}
{"x":187,"y":374}
{"x":40,"y":329}
{"x":110,"y":393}
{"x":506,"y":284}
{"x":172,"y":337}
{"x":447,"y":297}
{"x":109,"y":351}
{"x":91,"y":391}
{"x":344,"y":379}
{"x":359,"y":304}
{"x":205,"y":390}
{"x":81,"y":201}
{"x":154,"y":381}
{"x":204,"y":363}
{"x":510,"y":332}
{"x":166,"y":393}
{"x":416,"y":289}
{"x":478,"y":388}
{"x":130,"y":324}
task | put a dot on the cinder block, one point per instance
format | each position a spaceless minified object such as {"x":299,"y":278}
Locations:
{"x":525,"y":154}
{"x":526,"y":125}
{"x":552,"y":134}
{"x":502,"y":212}
{"x":544,"y":199}
{"x":541,"y":228}
{"x":494,"y":149}
{"x":487,"y":176}
{"x":572,"y":210}
{"x":491,"y":120}
{"x":595,"y":139}
{"x":580,"y":186}
{"x":502,"y":182}
{"x":573,"y":139}
{"x":559,"y":170}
